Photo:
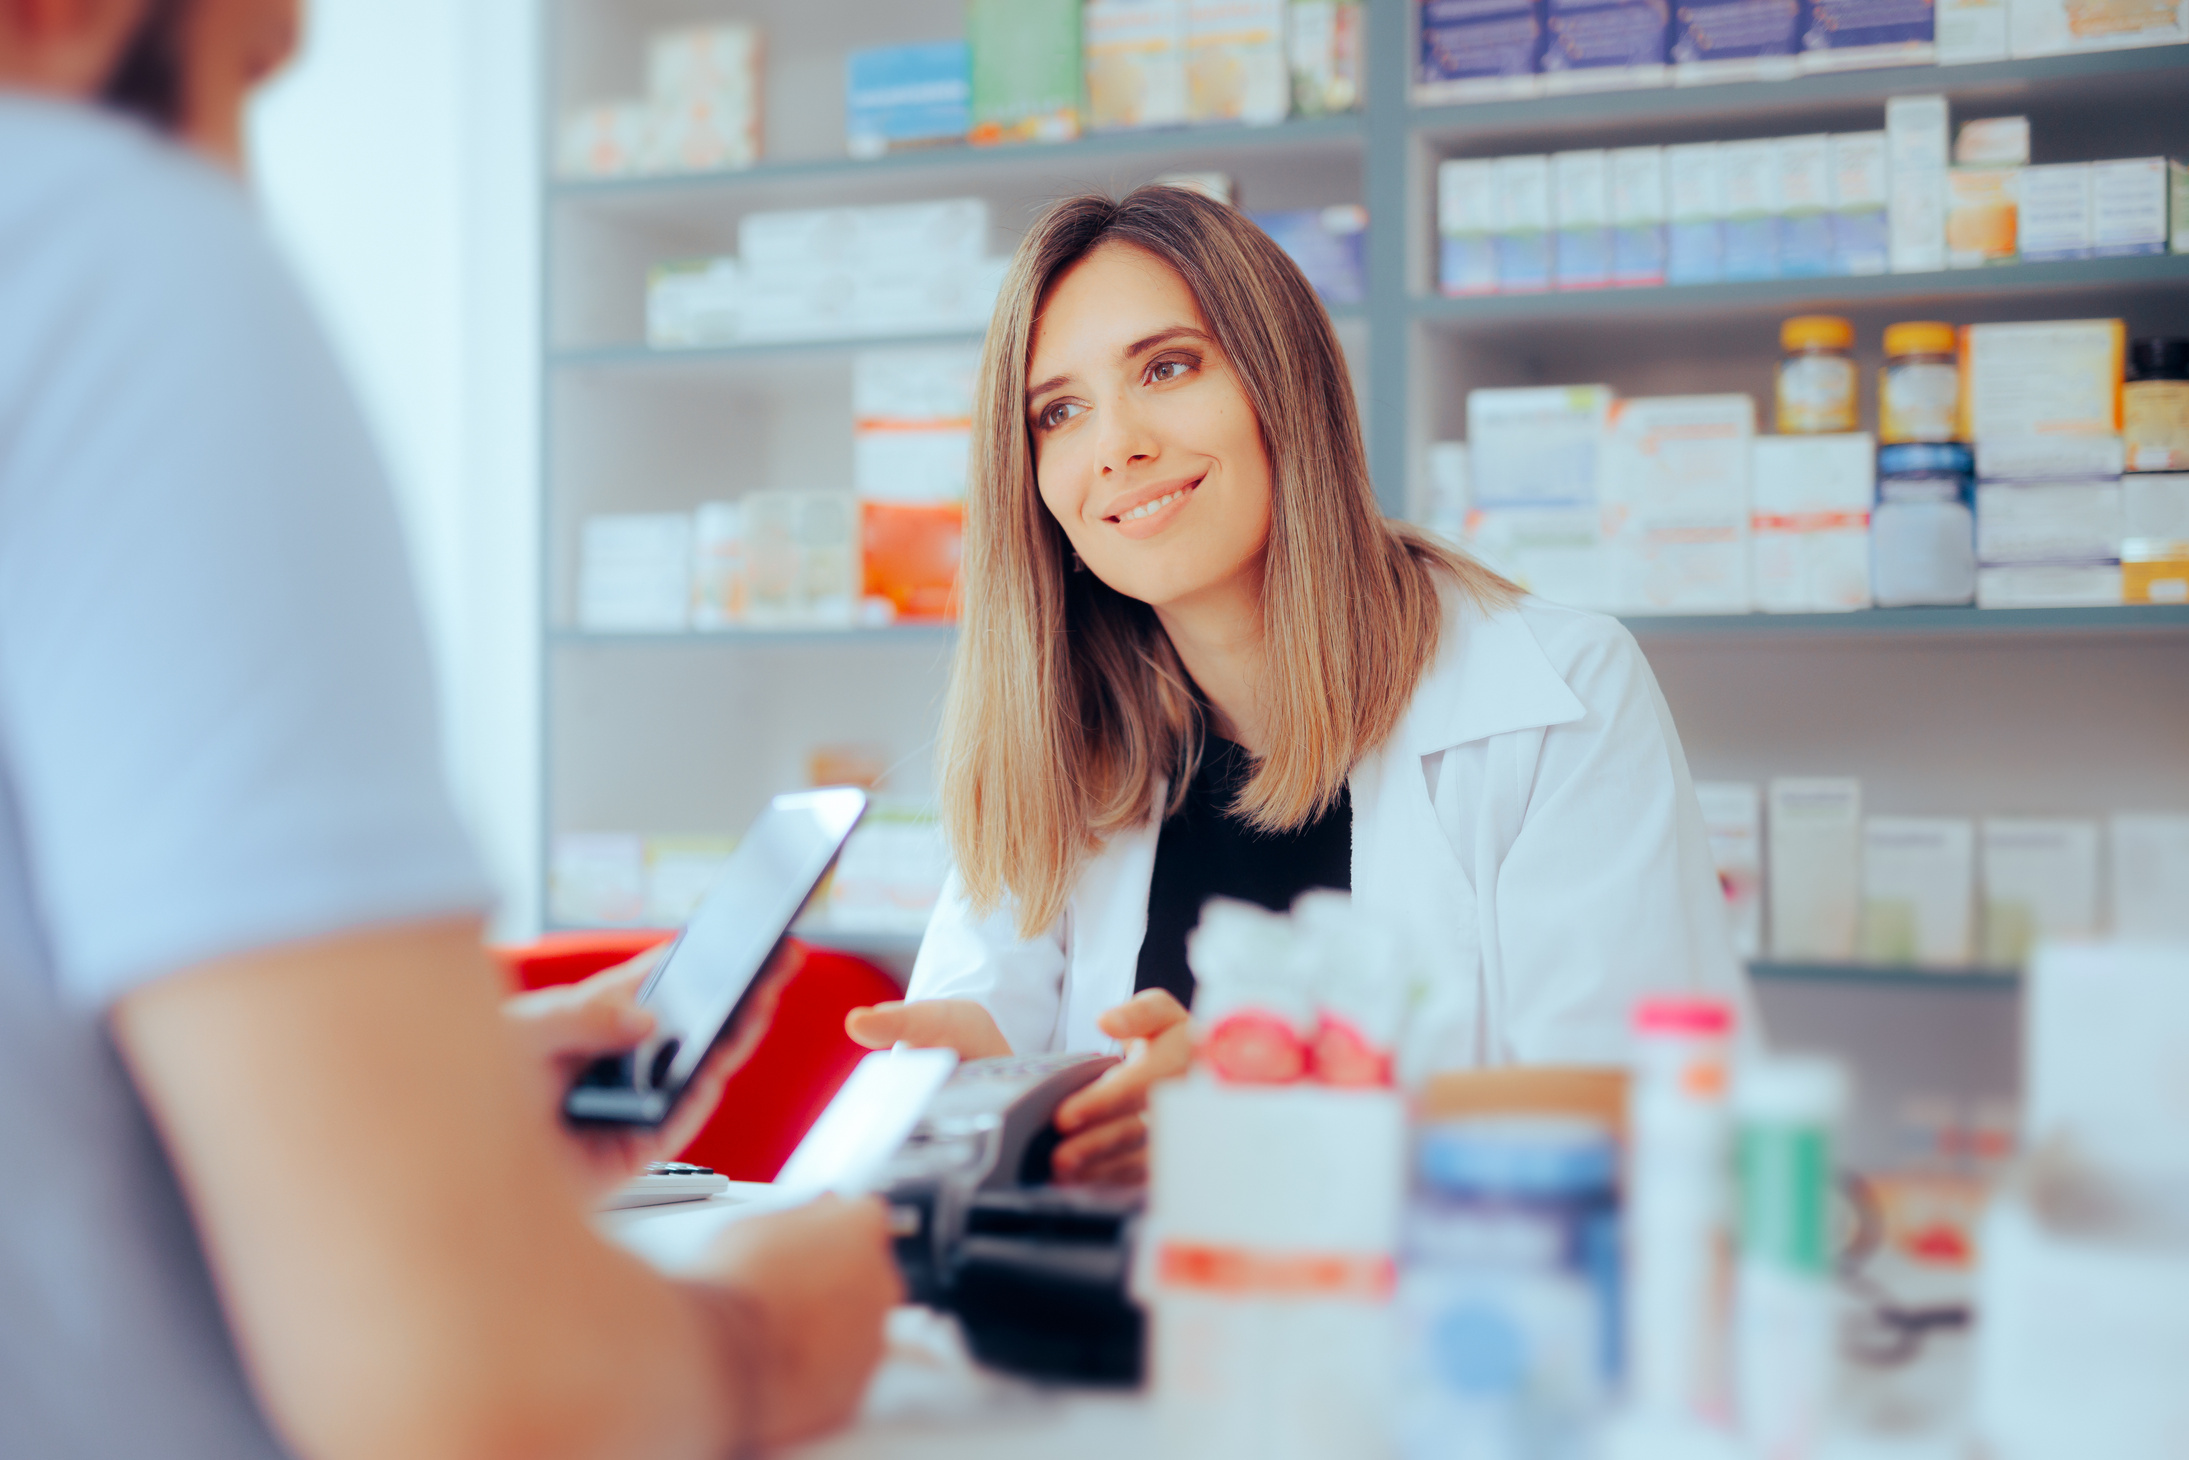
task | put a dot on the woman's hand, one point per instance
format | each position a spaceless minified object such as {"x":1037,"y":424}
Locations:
{"x":567,"y":1027}
{"x":1105,"y":1125}
{"x":958,"y":1024}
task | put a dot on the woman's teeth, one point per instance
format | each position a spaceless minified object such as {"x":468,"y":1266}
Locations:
{"x":1149,"y":509}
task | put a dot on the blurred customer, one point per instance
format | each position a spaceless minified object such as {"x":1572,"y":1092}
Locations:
{"x":252,"y":1062}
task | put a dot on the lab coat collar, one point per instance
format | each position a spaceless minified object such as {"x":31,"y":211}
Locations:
{"x":1490,"y":676}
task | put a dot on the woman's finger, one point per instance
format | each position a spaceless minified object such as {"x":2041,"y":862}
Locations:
{"x":1099,"y":1145}
{"x":958,"y":1024}
{"x":1129,"y":1168}
{"x":1121,"y":1090}
{"x":1143,"y":1016}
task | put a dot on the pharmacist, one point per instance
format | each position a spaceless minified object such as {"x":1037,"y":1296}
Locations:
{"x":1196,"y":661}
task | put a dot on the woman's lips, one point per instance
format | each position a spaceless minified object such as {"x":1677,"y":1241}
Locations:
{"x":1151,"y":517}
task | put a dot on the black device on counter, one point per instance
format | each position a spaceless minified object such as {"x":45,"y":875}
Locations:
{"x":705,"y":980}
{"x":1037,"y":1274}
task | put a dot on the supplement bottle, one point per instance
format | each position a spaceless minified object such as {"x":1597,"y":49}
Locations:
{"x":1817,"y":376}
{"x":2155,"y":405}
{"x":1919,"y":390}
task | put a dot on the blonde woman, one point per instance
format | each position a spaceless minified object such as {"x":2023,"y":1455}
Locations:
{"x":1197,"y":661}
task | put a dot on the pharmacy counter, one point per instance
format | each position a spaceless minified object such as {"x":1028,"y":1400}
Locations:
{"x":929,"y":1401}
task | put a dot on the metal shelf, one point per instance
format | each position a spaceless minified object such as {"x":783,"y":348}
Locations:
{"x":1886,"y":975}
{"x":844,"y":173}
{"x":759,"y":638}
{"x":1893,"y":623}
{"x":1684,"y":301}
{"x":1466,"y":123}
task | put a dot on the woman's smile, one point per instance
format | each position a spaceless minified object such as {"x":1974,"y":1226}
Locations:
{"x":1149,"y":515}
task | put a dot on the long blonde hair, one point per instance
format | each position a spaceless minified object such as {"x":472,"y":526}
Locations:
{"x":1067,"y":706}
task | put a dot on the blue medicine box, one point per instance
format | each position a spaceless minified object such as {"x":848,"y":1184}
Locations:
{"x":1737,"y":31}
{"x":1329,"y":245}
{"x":1882,"y":26}
{"x":907,"y":96}
{"x":1595,"y":35}
{"x":1480,"y":40}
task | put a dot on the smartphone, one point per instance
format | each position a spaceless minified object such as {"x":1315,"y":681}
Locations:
{"x":704,"y":980}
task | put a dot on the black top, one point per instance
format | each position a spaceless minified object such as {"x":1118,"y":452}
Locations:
{"x":1202,"y":853}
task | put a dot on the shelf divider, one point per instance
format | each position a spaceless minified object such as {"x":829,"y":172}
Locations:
{"x":1887,"y":975}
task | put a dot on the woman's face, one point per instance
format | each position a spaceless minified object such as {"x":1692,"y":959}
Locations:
{"x":1146,"y":450}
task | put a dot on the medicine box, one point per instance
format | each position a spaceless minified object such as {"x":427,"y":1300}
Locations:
{"x":1917,"y":134}
{"x":1919,"y":891}
{"x":1601,"y":44}
{"x":909,"y":554}
{"x":953,"y":230}
{"x":1981,"y":216}
{"x":1473,"y":50}
{"x":912,"y":423}
{"x":2155,"y":538}
{"x":705,"y":82}
{"x":2042,"y":378}
{"x":608,"y":140}
{"x":718,"y":564}
{"x":2128,"y":207}
{"x":1522,"y":188}
{"x":1326,"y":42}
{"x":1467,"y":222}
{"x":1136,"y":63}
{"x":2081,"y":455}
{"x":1538,"y":446}
{"x":1733,"y":820}
{"x":1809,"y":544}
{"x":1992,"y":142}
{"x":2048,"y":522}
{"x":2040,"y":882}
{"x":1329,"y":245}
{"x":634,"y":572}
{"x":1026,"y":70}
{"x":1676,"y":493}
{"x":2150,"y":857}
{"x":2054,"y":217}
{"x":1736,"y":40}
{"x":1814,"y":868}
{"x":1695,"y":210}
{"x":1445,"y":493}
{"x":1916,"y":222}
{"x":1555,"y":552}
{"x":2177,"y":205}
{"x":1841,"y":34}
{"x":2048,"y":585}
{"x":1581,"y":210}
{"x":693,"y":302}
{"x":1970,"y":31}
{"x":2059,"y":27}
{"x":898,"y":97}
{"x":1637,"y":216}
{"x":1804,"y":199}
{"x":1748,"y":187}
{"x":1236,"y":66}
{"x":1923,"y":552}
{"x":1861,"y":195}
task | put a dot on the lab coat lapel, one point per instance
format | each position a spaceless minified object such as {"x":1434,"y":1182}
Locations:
{"x":1109,"y":921}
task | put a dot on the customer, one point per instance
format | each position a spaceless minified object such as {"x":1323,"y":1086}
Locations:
{"x":1197,"y":661}
{"x":276,"y":1174}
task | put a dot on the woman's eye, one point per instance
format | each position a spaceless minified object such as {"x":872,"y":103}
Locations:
{"x":1053,"y":416}
{"x":1164,"y":371}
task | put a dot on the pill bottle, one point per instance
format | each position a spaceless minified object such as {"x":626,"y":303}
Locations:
{"x":1919,"y":390}
{"x":2155,"y":405}
{"x":1817,"y":376}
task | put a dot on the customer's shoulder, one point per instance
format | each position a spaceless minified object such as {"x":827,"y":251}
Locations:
{"x":83,"y":186}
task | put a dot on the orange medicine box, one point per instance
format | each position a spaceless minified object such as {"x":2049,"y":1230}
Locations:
{"x":2052,"y":377}
{"x":912,"y":550}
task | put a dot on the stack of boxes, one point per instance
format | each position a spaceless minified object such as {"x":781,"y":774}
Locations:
{"x":1845,"y":203}
{"x":1937,"y":892}
{"x":1474,"y":50}
{"x":834,"y":273}
{"x":701,"y":112}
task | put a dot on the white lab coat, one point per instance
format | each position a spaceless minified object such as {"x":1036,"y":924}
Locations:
{"x":1528,"y":838}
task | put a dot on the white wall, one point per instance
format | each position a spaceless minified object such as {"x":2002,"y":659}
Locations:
{"x":396,"y":161}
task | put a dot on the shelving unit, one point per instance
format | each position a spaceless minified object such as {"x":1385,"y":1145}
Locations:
{"x":1948,"y":711}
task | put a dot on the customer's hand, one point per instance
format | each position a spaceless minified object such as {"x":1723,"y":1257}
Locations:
{"x":1105,"y":1125}
{"x":958,"y":1024}
{"x":820,"y":1280}
{"x":568,"y":1027}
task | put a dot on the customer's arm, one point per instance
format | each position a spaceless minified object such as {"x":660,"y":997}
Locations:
{"x":403,"y":1250}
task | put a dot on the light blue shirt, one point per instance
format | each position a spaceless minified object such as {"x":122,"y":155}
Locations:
{"x":216,"y":734}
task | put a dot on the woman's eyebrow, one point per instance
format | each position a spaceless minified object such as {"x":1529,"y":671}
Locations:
{"x":1035,"y":392}
{"x":1164,"y":337}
